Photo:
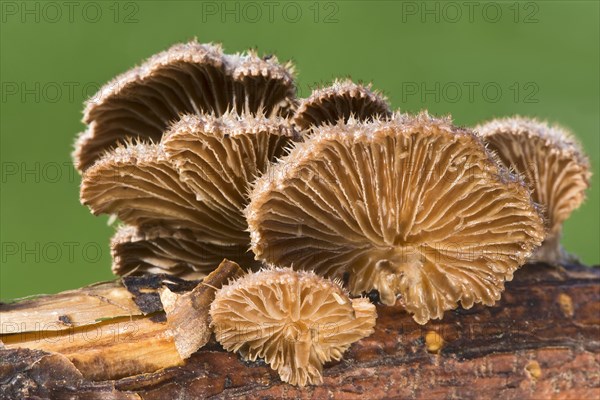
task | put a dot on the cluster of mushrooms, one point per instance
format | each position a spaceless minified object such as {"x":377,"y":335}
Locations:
{"x":203,"y":155}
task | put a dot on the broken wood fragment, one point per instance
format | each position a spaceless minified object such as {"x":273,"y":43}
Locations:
{"x":113,"y":329}
{"x":187,"y":314}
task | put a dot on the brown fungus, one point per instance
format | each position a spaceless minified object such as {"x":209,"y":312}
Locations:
{"x":185,"y":196}
{"x":338,"y":102}
{"x":434,"y":342}
{"x":552,"y":164}
{"x":412,"y":206}
{"x":176,"y":252}
{"x":142,"y":187}
{"x":187,"y":78}
{"x":217,"y":157}
{"x":295,"y":321}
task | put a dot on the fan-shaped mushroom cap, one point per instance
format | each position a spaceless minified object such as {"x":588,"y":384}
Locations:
{"x":141,"y":186}
{"x":412,"y":206}
{"x":218,"y":157}
{"x":187,"y":78}
{"x":552,"y":164}
{"x":176,"y":252}
{"x":295,"y":321}
{"x":339,"y":102}
{"x":187,"y":194}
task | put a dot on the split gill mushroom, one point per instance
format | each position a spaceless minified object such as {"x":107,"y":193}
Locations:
{"x":552,"y":164}
{"x":182,"y":199}
{"x":411,"y":206}
{"x":171,"y":149}
{"x":338,"y":102}
{"x":294,"y":320}
{"x":188,"y":78}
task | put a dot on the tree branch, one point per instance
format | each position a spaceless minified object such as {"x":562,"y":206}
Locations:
{"x":542,"y":340}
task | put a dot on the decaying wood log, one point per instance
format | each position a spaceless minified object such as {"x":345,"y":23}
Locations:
{"x":542,"y":340}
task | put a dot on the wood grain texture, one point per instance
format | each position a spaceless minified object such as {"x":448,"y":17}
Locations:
{"x":542,"y":340}
{"x":118,"y":329}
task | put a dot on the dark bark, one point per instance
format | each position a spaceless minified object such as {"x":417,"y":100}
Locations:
{"x":542,"y":340}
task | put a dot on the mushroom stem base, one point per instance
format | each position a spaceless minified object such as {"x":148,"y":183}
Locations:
{"x":552,"y":252}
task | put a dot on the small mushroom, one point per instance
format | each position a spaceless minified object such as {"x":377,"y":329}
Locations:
{"x":434,"y":342}
{"x":533,"y":370}
{"x":339,"y":102}
{"x":187,"y":78}
{"x":185,"y":196}
{"x":295,"y":321}
{"x":552,"y":164}
{"x":411,"y":206}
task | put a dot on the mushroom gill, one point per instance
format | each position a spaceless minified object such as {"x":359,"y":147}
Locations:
{"x":185,"y":195}
{"x":552,"y":164}
{"x":177,"y":252}
{"x":338,"y":102}
{"x":218,"y":157}
{"x":187,"y":78}
{"x":411,"y":206}
{"x":295,"y":321}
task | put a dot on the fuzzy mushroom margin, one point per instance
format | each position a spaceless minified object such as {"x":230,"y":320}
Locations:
{"x":188,"y":78}
{"x":294,"y":320}
{"x":412,"y":206}
{"x":552,"y":163}
{"x":340,"y":101}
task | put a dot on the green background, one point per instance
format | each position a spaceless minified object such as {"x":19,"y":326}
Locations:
{"x":544,"y":58}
